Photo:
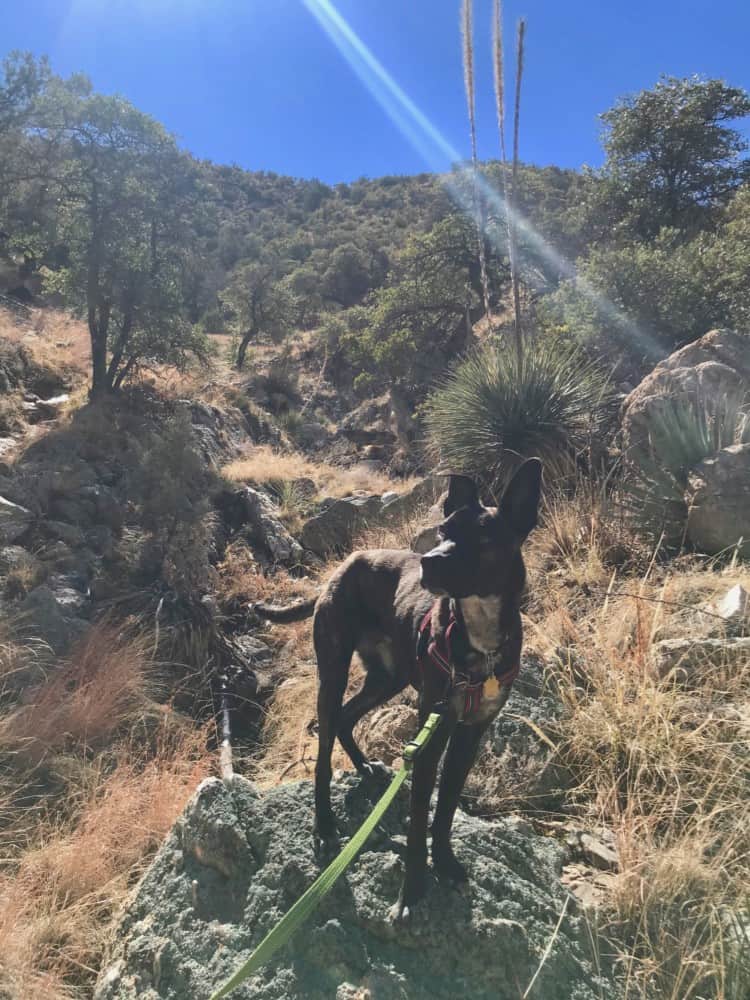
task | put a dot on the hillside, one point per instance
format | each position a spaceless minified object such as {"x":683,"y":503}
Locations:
{"x":215,"y":385}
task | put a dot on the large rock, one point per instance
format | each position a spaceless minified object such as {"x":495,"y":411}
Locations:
{"x":691,"y":659}
{"x":518,"y":766}
{"x":716,"y":365}
{"x":719,"y":501}
{"x":41,"y":617}
{"x":335,"y":527}
{"x":15,"y":521}
{"x":253,"y":509}
{"x":371,"y":423}
{"x":237,"y":860}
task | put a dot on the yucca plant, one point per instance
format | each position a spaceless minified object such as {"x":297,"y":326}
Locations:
{"x":467,"y":33}
{"x":683,"y":431}
{"x":491,"y":411}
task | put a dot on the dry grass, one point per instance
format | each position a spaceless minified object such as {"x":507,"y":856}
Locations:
{"x":264,"y":465}
{"x":54,"y":337}
{"x":107,"y":683}
{"x":93,"y":774}
{"x":242,"y":579}
{"x":58,"y":899}
{"x":664,"y":766}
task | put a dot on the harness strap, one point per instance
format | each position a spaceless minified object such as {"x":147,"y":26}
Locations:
{"x":435,"y":644}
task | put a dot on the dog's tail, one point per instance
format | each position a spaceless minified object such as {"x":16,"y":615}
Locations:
{"x":292,"y":613}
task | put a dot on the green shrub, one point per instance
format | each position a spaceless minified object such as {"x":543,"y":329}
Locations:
{"x":486,"y":415}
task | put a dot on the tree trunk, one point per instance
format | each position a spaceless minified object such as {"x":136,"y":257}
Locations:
{"x":242,"y":349}
{"x":402,"y":417}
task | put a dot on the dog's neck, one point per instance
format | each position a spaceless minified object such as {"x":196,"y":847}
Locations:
{"x":481,"y":617}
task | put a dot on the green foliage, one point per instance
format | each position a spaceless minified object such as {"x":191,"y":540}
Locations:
{"x":672,"y":154}
{"x":408,"y":327}
{"x":261,"y":304}
{"x":486,"y":415}
{"x":634,"y":303}
{"x":683,"y":431}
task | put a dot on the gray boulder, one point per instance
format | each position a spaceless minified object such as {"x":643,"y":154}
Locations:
{"x":237,"y":860}
{"x":518,"y":767}
{"x":15,"y":521}
{"x":41,"y":617}
{"x":719,"y":501}
{"x":339,"y":522}
{"x":692,"y":658}
{"x":334,"y":528}
{"x":255,"y":510}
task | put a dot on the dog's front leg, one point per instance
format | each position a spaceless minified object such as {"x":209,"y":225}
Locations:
{"x":462,"y":753}
{"x":422,"y":784}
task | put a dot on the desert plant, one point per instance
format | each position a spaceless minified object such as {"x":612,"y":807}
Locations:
{"x":683,"y":431}
{"x":489,"y":412}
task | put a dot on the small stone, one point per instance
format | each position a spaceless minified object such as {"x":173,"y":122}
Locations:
{"x":734,"y":606}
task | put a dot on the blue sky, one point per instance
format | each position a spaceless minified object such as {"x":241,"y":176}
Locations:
{"x":261,"y":83}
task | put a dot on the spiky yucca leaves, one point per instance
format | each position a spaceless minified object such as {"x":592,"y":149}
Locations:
{"x":683,"y":431}
{"x":490,"y":412}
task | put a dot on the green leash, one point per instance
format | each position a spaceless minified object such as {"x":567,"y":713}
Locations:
{"x":323,"y":884}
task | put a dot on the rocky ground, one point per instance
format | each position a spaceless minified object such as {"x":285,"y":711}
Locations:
{"x":213,"y":893}
{"x":134,"y":539}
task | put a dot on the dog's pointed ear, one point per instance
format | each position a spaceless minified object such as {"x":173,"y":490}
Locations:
{"x":462,"y":492}
{"x":520,"y":503}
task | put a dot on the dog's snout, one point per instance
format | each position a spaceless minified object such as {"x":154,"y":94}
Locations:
{"x":434,"y":566}
{"x":438,"y":554}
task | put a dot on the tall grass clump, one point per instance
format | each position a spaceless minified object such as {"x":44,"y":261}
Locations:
{"x":682,"y":432}
{"x":490,"y":412}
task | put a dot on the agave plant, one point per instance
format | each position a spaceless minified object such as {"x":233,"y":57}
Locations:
{"x":489,"y":412}
{"x":684,"y":430}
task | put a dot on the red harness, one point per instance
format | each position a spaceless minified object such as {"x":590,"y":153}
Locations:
{"x":435,"y":644}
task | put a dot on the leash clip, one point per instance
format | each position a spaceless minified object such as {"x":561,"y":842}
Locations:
{"x":414,"y":747}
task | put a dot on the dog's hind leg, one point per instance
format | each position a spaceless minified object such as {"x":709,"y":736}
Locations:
{"x":378,"y":687}
{"x":330,"y":696}
{"x":334,"y":652}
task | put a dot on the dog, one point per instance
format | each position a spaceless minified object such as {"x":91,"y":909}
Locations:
{"x":447,"y":622}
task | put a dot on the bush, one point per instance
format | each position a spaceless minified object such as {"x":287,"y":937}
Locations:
{"x":486,"y":415}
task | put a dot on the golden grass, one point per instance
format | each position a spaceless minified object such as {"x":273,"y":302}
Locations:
{"x":93,"y":774}
{"x":264,"y":465}
{"x":107,"y":682}
{"x":665,"y":767}
{"x":57,"y":901}
{"x":54,"y":337}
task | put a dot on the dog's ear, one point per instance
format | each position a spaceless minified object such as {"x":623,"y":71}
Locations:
{"x":520,"y":502}
{"x":462,"y":492}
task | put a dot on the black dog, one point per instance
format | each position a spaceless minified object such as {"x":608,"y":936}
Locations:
{"x":461,"y":651}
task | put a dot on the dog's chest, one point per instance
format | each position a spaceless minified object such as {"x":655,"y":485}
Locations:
{"x":481,"y":616}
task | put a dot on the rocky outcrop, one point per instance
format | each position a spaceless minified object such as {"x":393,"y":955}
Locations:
{"x":714,"y":366}
{"x":700,"y":391}
{"x":254,"y":511}
{"x":340,"y":521}
{"x":15,"y":521}
{"x":719,"y":501}
{"x":237,"y":860}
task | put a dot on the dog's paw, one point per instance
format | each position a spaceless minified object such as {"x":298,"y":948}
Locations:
{"x":448,"y":867}
{"x":374,"y":769}
{"x":412,"y":892}
{"x":325,"y":829}
{"x":399,"y":915}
